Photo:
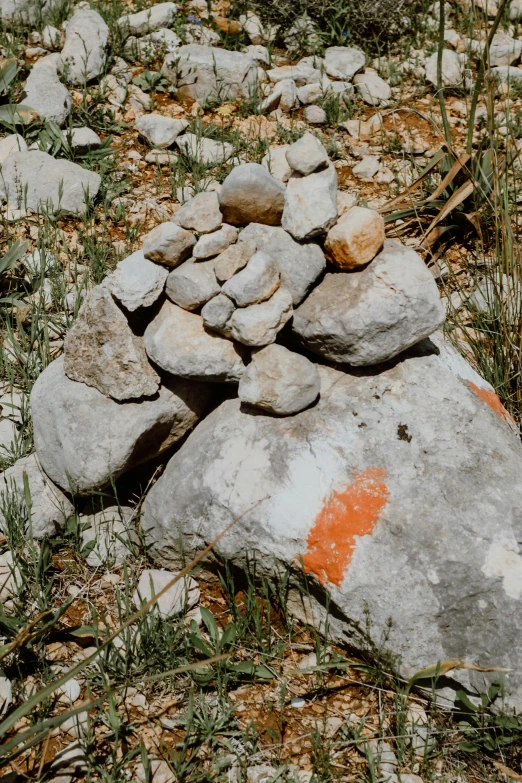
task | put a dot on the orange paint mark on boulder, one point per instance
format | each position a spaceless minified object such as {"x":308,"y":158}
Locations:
{"x":491,"y":399}
{"x":345,"y":516}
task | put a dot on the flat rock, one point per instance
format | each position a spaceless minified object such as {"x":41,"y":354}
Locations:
{"x":84,"y":440}
{"x":307,"y":155}
{"x":160,"y":131}
{"x":371,"y":316}
{"x":375,"y":514}
{"x":101,"y":350}
{"x":84,"y":53}
{"x":356,"y":238}
{"x":251,"y":195}
{"x":451,"y":69}
{"x":373,"y":89}
{"x":233,"y":259}
{"x":45,"y":93}
{"x":50,"y":508}
{"x":259,"y":324}
{"x":310,"y":203}
{"x":182,"y":596}
{"x":207,"y":73}
{"x":208,"y":151}
{"x":279,"y":381}
{"x":168,"y":244}
{"x":216,"y":314}
{"x":177,"y":341}
{"x":201,"y":213}
{"x":343,"y":62}
{"x":299,"y":264}
{"x":192,"y":284}
{"x":148,"y":20}
{"x":256,"y":282}
{"x":276,"y":163}
{"x":215,"y":243}
{"x":137,"y":282}
{"x":108,"y":535}
{"x":36,"y":181}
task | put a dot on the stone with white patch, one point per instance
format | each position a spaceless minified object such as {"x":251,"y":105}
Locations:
{"x":206,"y":73}
{"x":343,"y":62}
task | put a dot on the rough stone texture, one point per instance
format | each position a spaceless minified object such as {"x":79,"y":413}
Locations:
{"x":83,"y":55}
{"x":276,"y":163}
{"x":84,"y":439}
{"x":310,"y":203}
{"x":307,"y":155}
{"x":45,"y":93}
{"x":160,"y":131}
{"x":83,"y":140}
{"x":109,"y":534}
{"x":279,"y":381}
{"x":370,"y":316}
{"x":101,"y":350}
{"x":506,"y":74}
{"x":215,"y":243}
{"x":233,"y":259}
{"x":137,"y":282}
{"x":504,"y":50}
{"x":177,"y":341}
{"x":51,"y":37}
{"x":12,"y":143}
{"x":152,"y":46}
{"x":250,"y":194}
{"x":148,"y":20}
{"x":299,"y":265}
{"x":208,"y":151}
{"x":259,"y":324}
{"x":451,"y":69}
{"x":183,"y":595}
{"x":206,"y":73}
{"x":26,"y":11}
{"x":356,"y":238}
{"x":35,"y":180}
{"x":168,"y":244}
{"x":373,"y":90}
{"x":216,"y":314}
{"x":367,"y":168}
{"x":423,"y":502}
{"x":315,"y":115}
{"x":192,"y":284}
{"x":50,"y":508}
{"x":201,"y":213}
{"x":343,"y":62}
{"x":256,"y":282}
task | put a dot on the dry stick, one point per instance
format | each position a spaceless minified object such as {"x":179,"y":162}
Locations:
{"x":24,"y":708}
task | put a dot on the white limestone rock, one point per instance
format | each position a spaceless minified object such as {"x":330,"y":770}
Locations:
{"x":258,"y":281}
{"x":168,"y":244}
{"x":137,"y":282}
{"x":84,"y":53}
{"x":259,"y":324}
{"x":192,"y":284}
{"x":160,"y":131}
{"x":201,"y":213}
{"x":310,"y":203}
{"x":213,"y":244}
{"x":307,"y":155}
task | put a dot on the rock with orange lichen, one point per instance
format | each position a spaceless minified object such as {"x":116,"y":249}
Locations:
{"x":398,"y":493}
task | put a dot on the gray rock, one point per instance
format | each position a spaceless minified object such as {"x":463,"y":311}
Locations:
{"x":137,"y":282}
{"x":233,"y":259}
{"x":259,"y":324}
{"x":374,"y":513}
{"x":256,"y":282}
{"x":160,"y":772}
{"x":36,"y":181}
{"x":50,"y":508}
{"x":367,"y":168}
{"x":300,"y":74}
{"x":109,"y":535}
{"x":343,"y":62}
{"x":177,"y":341}
{"x":101,"y":350}
{"x":307,"y":155}
{"x":84,"y":440}
{"x":201,"y":213}
{"x":26,"y":11}
{"x":371,"y":316}
{"x":207,"y":151}
{"x":504,"y":50}
{"x":160,"y":131}
{"x":451,"y":69}
{"x":506,"y":74}
{"x":288,"y":100}
{"x":373,"y":90}
{"x":215,"y":243}
{"x":276,"y":163}
{"x":83,"y":55}
{"x":45,"y":93}
{"x":206,"y":73}
{"x":183,"y":595}
{"x":216,"y":314}
{"x":192,"y":284}
{"x":148,"y":20}
{"x":279,"y":381}
{"x":11,"y":581}
{"x":152,"y":46}
{"x":315,"y":115}
{"x":12,"y":143}
{"x":168,"y":244}
{"x":299,"y":265}
{"x":51,"y":37}
{"x":84,"y":140}
{"x":311,"y":203}
{"x":251,"y":195}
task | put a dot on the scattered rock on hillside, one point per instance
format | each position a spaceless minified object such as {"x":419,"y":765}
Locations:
{"x":233,"y":259}
{"x":201,"y":213}
{"x":84,"y":440}
{"x":356,"y":238}
{"x":279,"y":381}
{"x":315,"y":115}
{"x":108,"y":535}
{"x":137,"y":282}
{"x":307,"y":155}
{"x":310,"y":203}
{"x":373,"y":90}
{"x":83,"y":140}
{"x":207,"y":73}
{"x":276,"y":163}
{"x":160,"y":131}
{"x":451,"y":69}
{"x":370,"y":316}
{"x":208,"y":151}
{"x":168,"y":244}
{"x":183,"y":595}
{"x":86,"y":37}
{"x":177,"y":341}
{"x":251,"y":195}
{"x":101,"y":350}
{"x":343,"y":62}
{"x":259,"y":324}
{"x":50,"y":508}
{"x":45,"y":93}
{"x":148,"y":20}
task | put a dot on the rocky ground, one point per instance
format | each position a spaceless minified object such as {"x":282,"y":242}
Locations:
{"x":209,"y":210}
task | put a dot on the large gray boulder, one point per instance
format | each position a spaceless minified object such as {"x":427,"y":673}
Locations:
{"x":371,"y":316}
{"x":84,"y":440}
{"x":205,"y":73}
{"x":45,"y":93}
{"x":37,"y":181}
{"x":84,"y":53}
{"x":400,"y":495}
